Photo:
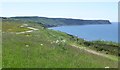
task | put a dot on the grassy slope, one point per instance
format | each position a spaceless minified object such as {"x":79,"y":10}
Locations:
{"x":42,"y":52}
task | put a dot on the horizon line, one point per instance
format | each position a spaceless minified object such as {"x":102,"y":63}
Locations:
{"x":57,"y":17}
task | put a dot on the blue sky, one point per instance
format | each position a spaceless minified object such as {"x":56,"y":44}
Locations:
{"x":79,"y":10}
{"x":59,"y":0}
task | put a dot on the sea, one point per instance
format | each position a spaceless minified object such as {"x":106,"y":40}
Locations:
{"x":104,"y":32}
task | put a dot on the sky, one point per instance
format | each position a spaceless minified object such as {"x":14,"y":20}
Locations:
{"x":79,"y":10}
{"x":59,"y":0}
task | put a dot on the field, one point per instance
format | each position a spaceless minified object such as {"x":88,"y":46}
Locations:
{"x":45,"y":48}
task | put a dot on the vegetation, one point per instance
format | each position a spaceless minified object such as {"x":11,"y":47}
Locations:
{"x":103,"y":46}
{"x":45,"y":48}
{"x":8,"y":27}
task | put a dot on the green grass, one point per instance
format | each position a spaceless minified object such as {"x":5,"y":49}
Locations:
{"x":50,"y":54}
{"x":11,"y":26}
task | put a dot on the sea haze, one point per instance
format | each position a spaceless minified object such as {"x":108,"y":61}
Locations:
{"x":107,"y":32}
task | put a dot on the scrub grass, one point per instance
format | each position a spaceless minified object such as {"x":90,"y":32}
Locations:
{"x":11,"y":26}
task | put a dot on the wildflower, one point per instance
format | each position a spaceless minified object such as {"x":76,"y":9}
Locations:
{"x":27,"y":45}
{"x":64,"y":40}
{"x":57,"y":41}
{"x":107,"y":67}
{"x":41,"y":44}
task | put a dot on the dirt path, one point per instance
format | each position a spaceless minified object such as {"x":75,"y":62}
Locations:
{"x":97,"y":53}
{"x":32,"y":29}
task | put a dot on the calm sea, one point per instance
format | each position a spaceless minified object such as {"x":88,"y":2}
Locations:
{"x":107,"y":32}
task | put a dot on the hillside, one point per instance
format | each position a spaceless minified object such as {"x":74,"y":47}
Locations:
{"x":53,"y":22}
{"x":30,"y":45}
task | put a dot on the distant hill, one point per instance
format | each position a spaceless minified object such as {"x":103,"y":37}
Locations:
{"x":53,"y":22}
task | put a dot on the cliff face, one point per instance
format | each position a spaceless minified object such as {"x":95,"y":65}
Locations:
{"x":95,"y":22}
{"x":52,"y":22}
